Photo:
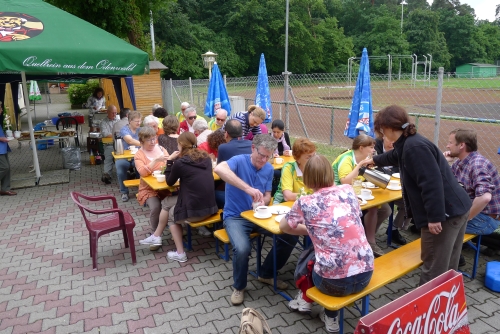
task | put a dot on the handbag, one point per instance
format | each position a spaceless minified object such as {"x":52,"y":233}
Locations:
{"x":252,"y":322}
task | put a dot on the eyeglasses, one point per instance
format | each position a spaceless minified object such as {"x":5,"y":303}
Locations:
{"x":192,"y":117}
{"x":263,"y":156}
{"x":220,"y":120}
{"x":152,"y":140}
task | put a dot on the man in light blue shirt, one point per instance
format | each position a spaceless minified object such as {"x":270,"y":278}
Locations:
{"x":248,"y":180}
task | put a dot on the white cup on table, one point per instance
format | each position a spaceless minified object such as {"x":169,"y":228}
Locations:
{"x":394,"y":184}
{"x":160,"y":178}
{"x":156,"y":172}
{"x":366,"y":193}
{"x":278,"y":161}
{"x":132,"y":147}
{"x":262,"y":211}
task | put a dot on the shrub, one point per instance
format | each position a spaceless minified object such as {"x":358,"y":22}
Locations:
{"x":79,"y":93}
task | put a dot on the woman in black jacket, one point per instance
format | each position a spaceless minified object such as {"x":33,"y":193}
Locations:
{"x":431,"y":193}
{"x":196,"y":200}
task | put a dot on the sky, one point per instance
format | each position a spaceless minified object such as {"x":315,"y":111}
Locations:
{"x":485,"y":9}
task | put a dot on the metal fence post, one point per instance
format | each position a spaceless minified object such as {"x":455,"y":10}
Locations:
{"x":171,"y":90}
{"x":437,"y":119}
{"x":190,"y":91}
{"x":331,"y":127}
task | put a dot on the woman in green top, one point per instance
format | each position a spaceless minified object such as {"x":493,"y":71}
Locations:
{"x":346,"y":168}
{"x":291,"y":183}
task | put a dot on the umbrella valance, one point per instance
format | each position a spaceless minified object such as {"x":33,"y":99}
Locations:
{"x":35,"y":38}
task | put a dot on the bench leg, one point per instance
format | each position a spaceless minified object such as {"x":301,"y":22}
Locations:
{"x":365,"y":305}
{"x":476,"y":248}
{"x":341,"y":321}
{"x":188,"y":245}
{"x":226,"y":252}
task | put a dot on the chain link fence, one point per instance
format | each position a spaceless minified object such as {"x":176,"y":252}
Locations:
{"x":318,"y":104}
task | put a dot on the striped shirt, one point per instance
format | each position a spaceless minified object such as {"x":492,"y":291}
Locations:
{"x":242,"y":117}
{"x":479,"y":176}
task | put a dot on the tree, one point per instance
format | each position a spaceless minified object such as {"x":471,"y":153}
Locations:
{"x":124,"y":19}
{"x":460,"y":32}
{"x":424,"y":37}
{"x":488,"y":36}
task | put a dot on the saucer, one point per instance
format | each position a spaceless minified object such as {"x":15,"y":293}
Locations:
{"x":363,"y":202}
{"x":262,"y":217}
{"x":372,"y":186}
{"x":396,"y":175}
{"x":10,"y":138}
{"x":393,"y":188}
{"x":278,"y":218}
{"x":367,"y":198}
{"x":279,"y":209}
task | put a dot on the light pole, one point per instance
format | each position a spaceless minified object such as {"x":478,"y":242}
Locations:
{"x":402,"y":6}
{"x":209,"y":59}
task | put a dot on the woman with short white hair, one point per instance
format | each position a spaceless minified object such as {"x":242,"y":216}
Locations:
{"x":201,"y":130}
{"x":152,"y":122}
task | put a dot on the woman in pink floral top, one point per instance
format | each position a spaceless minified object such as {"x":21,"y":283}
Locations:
{"x":331,"y":218}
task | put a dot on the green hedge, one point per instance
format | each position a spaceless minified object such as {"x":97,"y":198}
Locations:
{"x":79,"y":93}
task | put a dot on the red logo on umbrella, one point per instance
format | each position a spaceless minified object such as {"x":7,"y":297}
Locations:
{"x":18,"y":27}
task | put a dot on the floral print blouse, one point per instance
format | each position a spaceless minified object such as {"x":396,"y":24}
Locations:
{"x":332,"y":218}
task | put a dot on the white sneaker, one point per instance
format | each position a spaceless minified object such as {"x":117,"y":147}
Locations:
{"x":151,"y":240}
{"x":299,"y":304}
{"x":177,"y":257}
{"x":202,"y":230}
{"x":331,"y":324}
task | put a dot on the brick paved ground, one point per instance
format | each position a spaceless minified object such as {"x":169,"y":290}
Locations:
{"x":47,"y":284}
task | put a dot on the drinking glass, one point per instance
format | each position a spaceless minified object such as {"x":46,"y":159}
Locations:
{"x":357,"y":185}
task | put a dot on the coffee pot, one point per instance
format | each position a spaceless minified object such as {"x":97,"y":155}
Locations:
{"x":118,"y":145}
{"x":377,"y":178}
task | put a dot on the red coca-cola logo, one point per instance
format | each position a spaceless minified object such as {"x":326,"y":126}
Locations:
{"x":444,"y":315}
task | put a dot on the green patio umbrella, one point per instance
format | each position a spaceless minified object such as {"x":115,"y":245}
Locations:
{"x":38,"y":38}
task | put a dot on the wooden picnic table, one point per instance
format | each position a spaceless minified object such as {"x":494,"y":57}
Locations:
{"x":126,"y":155}
{"x":155,"y":185}
{"x":382,"y":196}
{"x":285,"y":160}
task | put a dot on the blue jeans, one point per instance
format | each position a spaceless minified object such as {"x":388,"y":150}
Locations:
{"x":122,"y":166}
{"x":341,"y":287}
{"x":482,"y":224}
{"x":220,"y":198}
{"x":238,"y":229}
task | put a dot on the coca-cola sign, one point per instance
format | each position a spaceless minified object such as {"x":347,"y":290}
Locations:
{"x":437,"y":307}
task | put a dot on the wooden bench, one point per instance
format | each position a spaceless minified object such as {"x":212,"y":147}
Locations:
{"x":388,"y":268}
{"x":221,"y":235}
{"x":213,"y":219}
{"x":131,"y":183}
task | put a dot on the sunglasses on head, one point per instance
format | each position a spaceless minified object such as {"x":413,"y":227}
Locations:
{"x":192,"y":117}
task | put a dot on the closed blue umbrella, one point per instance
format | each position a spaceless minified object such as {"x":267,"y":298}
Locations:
{"x":262,"y":94}
{"x":217,"y":94}
{"x":361,"y":113}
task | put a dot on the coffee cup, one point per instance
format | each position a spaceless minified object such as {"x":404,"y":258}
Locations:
{"x":131,"y":147}
{"x":278,"y":161}
{"x":262,"y":211}
{"x":366,"y":193}
{"x":394,"y":183}
{"x":156,"y":172}
{"x":134,"y":151}
{"x":160,"y":178}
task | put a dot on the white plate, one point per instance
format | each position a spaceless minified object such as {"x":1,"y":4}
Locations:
{"x":393,"y":188}
{"x":279,"y":209}
{"x":396,"y":175}
{"x":371,"y":186}
{"x":367,"y":199}
{"x":262,"y":217}
{"x":10,"y":138}
{"x":279,"y":217}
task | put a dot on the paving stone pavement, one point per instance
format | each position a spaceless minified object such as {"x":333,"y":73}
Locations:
{"x":47,"y":284}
